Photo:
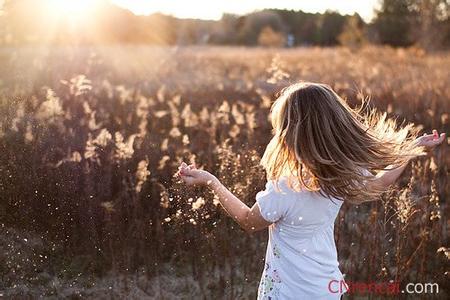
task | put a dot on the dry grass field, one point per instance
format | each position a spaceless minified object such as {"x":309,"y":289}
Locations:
{"x":90,"y":139}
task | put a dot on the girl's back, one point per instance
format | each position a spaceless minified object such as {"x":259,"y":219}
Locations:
{"x":324,"y":144}
{"x":301,"y":257}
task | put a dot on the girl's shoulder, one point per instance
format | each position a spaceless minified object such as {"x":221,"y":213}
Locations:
{"x":279,"y":201}
{"x":285,"y":185}
{"x":283,"y":190}
{"x":290,"y":189}
{"x":276,"y":200}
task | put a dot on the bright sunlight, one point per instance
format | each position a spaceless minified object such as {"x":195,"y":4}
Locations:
{"x":70,"y":8}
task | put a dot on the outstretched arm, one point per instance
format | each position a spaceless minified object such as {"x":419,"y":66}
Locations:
{"x":386,"y":178}
{"x":249,"y":219}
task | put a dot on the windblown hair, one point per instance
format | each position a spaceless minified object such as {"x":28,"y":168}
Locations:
{"x":332,"y":148}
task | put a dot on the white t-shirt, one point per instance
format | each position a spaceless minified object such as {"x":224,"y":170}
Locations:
{"x":301,"y":257}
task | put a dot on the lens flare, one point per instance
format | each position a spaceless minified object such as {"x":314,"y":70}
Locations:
{"x":70,"y":7}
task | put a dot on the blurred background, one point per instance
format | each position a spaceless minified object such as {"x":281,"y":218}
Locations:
{"x":101,"y":100}
{"x":248,"y":23}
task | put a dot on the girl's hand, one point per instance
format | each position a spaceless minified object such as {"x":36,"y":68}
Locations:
{"x":192,"y":176}
{"x":430,"y":140}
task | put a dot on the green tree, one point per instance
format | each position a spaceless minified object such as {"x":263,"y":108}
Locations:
{"x":393,"y":23}
{"x":331,"y":25}
{"x":303,"y":26}
{"x":251,"y":26}
{"x":406,"y":22}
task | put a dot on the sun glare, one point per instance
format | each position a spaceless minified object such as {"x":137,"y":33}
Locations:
{"x":70,"y":7}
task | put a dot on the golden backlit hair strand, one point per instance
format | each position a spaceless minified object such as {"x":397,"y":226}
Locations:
{"x":329,"y":147}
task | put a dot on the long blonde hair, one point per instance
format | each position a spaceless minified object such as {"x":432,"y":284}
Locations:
{"x":329,"y":147}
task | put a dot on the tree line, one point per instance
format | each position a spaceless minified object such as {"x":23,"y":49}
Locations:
{"x":403,"y":23}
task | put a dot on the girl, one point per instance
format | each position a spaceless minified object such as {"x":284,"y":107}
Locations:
{"x":322,"y":153}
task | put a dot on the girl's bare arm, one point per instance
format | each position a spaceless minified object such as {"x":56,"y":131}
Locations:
{"x":386,"y":178}
{"x":249,"y":219}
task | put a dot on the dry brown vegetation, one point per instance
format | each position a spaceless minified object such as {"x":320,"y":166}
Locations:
{"x":91,"y":137}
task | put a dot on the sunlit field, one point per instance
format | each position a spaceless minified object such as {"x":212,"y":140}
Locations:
{"x":91,"y":137}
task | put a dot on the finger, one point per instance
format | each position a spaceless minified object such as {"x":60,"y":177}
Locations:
{"x":183,"y":166}
{"x":183,"y":171}
{"x":435,"y":142}
{"x":187,"y":172}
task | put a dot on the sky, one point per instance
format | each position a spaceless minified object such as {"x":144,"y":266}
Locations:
{"x":213,"y":10}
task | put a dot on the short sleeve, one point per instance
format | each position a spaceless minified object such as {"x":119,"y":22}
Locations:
{"x":272,"y":204}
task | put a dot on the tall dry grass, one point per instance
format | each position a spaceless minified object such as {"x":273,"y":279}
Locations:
{"x":90,"y":139}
